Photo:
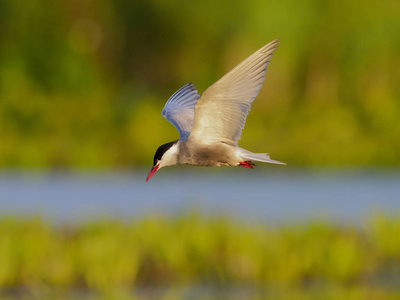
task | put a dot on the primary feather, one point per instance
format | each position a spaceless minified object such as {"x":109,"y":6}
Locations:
{"x":220,"y":113}
{"x":179,"y":109}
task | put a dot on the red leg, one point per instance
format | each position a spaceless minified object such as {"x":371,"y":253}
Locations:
{"x":246,"y":164}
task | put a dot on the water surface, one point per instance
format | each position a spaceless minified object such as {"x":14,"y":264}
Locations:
{"x":261,"y":194}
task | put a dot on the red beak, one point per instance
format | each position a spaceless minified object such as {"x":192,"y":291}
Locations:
{"x":152,"y":171}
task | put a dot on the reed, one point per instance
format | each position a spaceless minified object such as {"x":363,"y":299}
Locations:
{"x":107,"y":256}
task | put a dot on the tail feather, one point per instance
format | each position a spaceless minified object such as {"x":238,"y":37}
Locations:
{"x":263,"y":157}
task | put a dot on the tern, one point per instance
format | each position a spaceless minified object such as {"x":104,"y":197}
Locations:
{"x":210,"y":125}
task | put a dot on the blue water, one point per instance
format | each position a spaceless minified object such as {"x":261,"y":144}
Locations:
{"x":268,"y":194}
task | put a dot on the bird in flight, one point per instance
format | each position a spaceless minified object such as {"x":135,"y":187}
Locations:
{"x":210,"y":125}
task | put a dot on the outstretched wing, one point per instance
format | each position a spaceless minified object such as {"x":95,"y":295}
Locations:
{"x":179,"y":109}
{"x":220,"y":113}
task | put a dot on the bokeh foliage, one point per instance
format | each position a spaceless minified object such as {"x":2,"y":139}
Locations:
{"x":83,"y":82}
{"x":107,"y":256}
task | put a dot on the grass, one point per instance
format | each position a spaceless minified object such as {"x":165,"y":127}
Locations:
{"x":189,"y":253}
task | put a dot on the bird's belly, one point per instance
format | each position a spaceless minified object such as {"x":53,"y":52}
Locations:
{"x":215,"y":156}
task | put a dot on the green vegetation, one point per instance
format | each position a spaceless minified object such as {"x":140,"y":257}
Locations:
{"x":82,"y":83}
{"x":115,"y":257}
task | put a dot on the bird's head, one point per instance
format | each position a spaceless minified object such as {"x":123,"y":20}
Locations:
{"x":166,"y":155}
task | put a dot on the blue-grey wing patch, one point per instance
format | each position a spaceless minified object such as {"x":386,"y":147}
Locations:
{"x":179,"y":109}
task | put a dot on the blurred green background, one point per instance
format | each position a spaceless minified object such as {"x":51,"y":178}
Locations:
{"x":193,"y":257}
{"x":82,"y":86}
{"x":83,"y":83}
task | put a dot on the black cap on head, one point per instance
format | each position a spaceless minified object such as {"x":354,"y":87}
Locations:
{"x":161,"y":150}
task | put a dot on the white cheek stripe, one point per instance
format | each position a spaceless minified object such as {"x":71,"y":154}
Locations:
{"x":170,"y":157}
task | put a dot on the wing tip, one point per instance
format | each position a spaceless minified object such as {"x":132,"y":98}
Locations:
{"x":271,"y":46}
{"x":188,"y":89}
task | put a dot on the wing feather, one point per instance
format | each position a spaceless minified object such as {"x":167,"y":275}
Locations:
{"x":179,"y":109}
{"x":221,"y":111}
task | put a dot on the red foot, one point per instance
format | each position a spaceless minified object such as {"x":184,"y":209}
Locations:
{"x":246,"y":164}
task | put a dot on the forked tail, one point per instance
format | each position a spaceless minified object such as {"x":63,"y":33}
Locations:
{"x":263,"y":157}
